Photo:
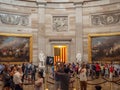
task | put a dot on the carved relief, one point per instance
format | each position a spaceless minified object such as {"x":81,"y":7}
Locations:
{"x":95,"y":19}
{"x":106,"y":19}
{"x":14,"y":19}
{"x":24,"y":21}
{"x":60,"y":23}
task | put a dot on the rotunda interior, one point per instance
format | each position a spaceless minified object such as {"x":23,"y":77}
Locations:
{"x":52,"y":34}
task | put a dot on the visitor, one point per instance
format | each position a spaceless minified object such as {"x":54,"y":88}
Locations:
{"x":39,"y":85}
{"x":57,"y":77}
{"x":33,"y":72}
{"x":6,"y":78}
{"x":106,"y":71}
{"x":83,"y":77}
{"x":97,"y":70}
{"x":111,"y":70}
{"x":17,"y":78}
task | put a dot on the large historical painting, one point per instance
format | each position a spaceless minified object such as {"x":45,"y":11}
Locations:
{"x":15,"y":47}
{"x":104,"y":47}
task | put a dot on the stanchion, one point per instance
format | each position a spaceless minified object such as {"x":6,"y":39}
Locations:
{"x":97,"y":85}
{"x":111,"y":84}
{"x":77,"y":82}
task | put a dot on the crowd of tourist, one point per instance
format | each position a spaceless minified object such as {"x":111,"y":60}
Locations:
{"x":64,"y":72}
{"x":14,"y":76}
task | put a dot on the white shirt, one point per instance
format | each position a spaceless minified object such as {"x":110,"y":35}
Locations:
{"x":83,"y":76}
{"x":17,"y":77}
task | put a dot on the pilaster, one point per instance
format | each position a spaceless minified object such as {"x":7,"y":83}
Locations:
{"x":79,"y":29}
{"x":41,"y":26}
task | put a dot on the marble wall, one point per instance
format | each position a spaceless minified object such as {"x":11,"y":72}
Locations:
{"x":15,"y":19}
{"x":60,"y":22}
{"x":100,"y":20}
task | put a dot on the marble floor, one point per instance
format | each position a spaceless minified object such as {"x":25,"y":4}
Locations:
{"x":105,"y":83}
{"x":74,"y":85}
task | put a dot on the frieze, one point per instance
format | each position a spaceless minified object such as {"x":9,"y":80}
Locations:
{"x":14,"y":19}
{"x":60,"y":23}
{"x":105,"y":19}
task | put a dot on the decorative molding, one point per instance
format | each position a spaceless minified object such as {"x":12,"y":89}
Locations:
{"x":60,"y":40}
{"x":106,"y":19}
{"x":60,"y":23}
{"x":14,"y":19}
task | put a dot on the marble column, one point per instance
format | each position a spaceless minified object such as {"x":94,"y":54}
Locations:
{"x":79,"y":29}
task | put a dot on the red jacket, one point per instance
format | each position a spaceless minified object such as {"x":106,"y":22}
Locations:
{"x":111,"y":69}
{"x":97,"y":67}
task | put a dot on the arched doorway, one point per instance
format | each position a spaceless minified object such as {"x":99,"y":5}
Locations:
{"x":60,"y":53}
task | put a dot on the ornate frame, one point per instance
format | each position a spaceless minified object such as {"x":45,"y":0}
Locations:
{"x":15,"y":48}
{"x":104,"y":47}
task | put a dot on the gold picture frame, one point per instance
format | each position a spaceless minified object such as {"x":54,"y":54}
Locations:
{"x":104,"y":47}
{"x":15,"y":48}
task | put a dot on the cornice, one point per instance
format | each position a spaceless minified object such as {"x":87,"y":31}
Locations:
{"x":43,"y":3}
{"x":20,"y":4}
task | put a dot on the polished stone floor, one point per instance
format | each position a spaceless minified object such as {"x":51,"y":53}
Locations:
{"x":104,"y":83}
